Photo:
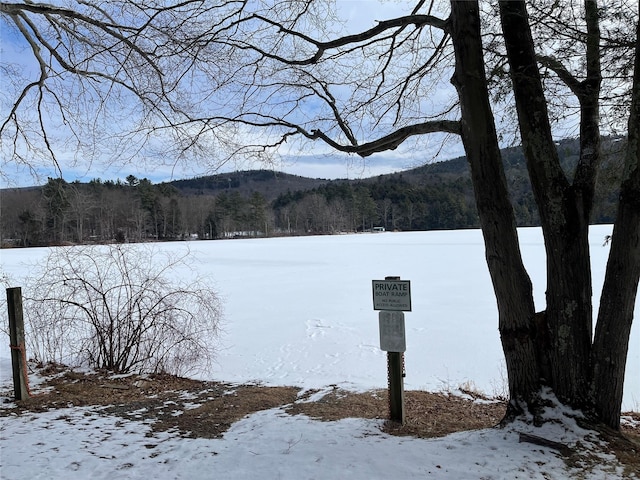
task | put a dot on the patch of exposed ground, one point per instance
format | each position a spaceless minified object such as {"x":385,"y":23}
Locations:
{"x":194,"y":408}
{"x":427,"y":414}
{"x":626,"y":447}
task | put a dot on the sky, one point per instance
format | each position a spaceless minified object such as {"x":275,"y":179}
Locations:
{"x":313,"y":161}
{"x":325,"y":166}
{"x":299,"y":311}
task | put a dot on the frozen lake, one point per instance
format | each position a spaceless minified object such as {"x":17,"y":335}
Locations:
{"x":299,"y":311}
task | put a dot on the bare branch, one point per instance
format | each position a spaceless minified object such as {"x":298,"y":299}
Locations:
{"x":121,"y":308}
{"x":416,"y":20}
{"x":393,"y":140}
{"x":559,"y":69}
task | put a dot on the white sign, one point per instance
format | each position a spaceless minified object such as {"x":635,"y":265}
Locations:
{"x":392,"y":295}
{"x":392,"y":337}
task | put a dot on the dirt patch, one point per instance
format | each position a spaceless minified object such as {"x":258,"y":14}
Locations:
{"x":193,"y":408}
{"x":436,"y":415}
{"x":427,"y":414}
{"x":626,"y":447}
{"x":337,"y":404}
{"x":207,"y":409}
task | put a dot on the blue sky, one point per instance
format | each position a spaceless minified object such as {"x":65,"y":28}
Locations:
{"x":328,"y":166}
{"x":314,"y":161}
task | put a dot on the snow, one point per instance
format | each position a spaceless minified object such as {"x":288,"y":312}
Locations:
{"x":298,"y":311}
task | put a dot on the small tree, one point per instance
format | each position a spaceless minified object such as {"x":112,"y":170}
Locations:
{"x":120,"y":307}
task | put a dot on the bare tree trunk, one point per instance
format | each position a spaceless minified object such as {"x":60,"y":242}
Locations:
{"x":511,"y":282}
{"x":568,"y":318}
{"x":620,"y":288}
{"x":588,"y":93}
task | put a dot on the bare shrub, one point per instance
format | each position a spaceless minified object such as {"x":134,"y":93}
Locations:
{"x":124,"y":308}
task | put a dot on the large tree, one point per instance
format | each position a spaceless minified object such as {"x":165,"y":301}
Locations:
{"x":260,"y":77}
{"x":567,"y":360}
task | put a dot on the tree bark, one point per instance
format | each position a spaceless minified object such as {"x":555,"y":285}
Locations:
{"x":511,"y":282}
{"x":588,"y":93}
{"x":620,"y":288}
{"x":565,"y":223}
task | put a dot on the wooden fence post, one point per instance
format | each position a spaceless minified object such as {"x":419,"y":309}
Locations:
{"x":16,"y":335}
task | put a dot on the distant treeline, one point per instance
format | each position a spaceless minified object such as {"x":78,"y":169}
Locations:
{"x":266,"y":203}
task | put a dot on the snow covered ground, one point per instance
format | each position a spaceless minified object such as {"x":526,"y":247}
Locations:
{"x":298,"y":311}
{"x":77,"y":443}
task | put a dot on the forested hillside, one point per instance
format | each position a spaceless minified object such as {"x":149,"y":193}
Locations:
{"x":259,"y":203}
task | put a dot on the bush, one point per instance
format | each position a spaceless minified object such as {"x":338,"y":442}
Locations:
{"x":120,"y":307}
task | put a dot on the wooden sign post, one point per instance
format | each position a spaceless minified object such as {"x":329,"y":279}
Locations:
{"x":16,"y":335}
{"x":392,"y":297}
